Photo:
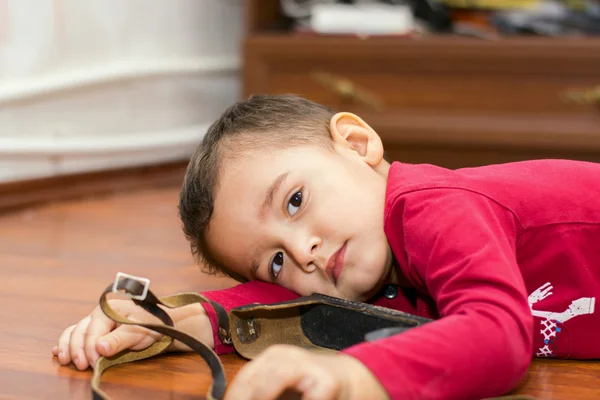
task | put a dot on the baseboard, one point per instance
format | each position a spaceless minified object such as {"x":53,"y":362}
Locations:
{"x":20,"y":194}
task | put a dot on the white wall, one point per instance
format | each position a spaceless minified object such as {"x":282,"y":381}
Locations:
{"x":89,"y":85}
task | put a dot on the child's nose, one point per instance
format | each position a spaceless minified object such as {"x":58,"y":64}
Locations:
{"x":314,"y":243}
{"x":306,"y":253}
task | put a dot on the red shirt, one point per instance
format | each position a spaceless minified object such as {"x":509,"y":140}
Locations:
{"x":505,"y":257}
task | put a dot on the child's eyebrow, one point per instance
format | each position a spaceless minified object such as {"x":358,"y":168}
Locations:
{"x":271,"y":194}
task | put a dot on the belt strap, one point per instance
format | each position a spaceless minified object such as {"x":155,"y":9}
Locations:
{"x":138,"y":290}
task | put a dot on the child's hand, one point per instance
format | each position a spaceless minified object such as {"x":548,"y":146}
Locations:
{"x":97,"y":335}
{"x":315,"y":376}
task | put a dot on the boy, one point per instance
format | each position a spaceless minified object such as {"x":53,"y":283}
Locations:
{"x":283,"y":191}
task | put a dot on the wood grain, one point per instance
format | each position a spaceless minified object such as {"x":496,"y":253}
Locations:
{"x":56,"y":260}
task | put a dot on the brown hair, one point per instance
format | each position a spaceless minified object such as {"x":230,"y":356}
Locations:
{"x":259,"y":123}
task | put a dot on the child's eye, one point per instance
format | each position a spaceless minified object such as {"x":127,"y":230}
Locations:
{"x":275,"y":265}
{"x":294,"y":203}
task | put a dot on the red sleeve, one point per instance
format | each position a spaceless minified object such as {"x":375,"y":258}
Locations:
{"x":240,"y":295}
{"x":460,"y":248}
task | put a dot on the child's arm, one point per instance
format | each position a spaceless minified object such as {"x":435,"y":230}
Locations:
{"x":460,"y":248}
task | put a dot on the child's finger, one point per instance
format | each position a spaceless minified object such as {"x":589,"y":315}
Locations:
{"x":64,"y":356}
{"x":99,"y":326}
{"x":124,"y":337}
{"x":77,"y":342}
{"x":55,"y":351}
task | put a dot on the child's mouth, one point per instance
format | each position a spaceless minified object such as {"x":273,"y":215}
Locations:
{"x":335,"y":265}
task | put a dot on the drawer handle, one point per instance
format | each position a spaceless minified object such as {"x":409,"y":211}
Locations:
{"x":348,"y":90}
{"x":583,"y":96}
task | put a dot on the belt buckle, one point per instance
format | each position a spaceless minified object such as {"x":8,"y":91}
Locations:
{"x":145,"y":282}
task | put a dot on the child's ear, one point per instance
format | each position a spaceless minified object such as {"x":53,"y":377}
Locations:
{"x":351,"y":131}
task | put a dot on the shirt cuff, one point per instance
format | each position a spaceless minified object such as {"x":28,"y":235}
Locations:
{"x":220,"y":347}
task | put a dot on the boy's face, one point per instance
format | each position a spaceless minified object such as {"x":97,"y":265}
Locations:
{"x":307,"y":218}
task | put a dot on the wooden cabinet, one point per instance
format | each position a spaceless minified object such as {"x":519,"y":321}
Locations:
{"x":443,"y":100}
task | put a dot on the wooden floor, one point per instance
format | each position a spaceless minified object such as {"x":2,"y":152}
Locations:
{"x":56,"y":260}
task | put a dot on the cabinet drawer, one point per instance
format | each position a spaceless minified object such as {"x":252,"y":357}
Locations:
{"x":528,"y":76}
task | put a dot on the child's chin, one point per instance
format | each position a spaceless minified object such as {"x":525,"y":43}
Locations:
{"x":347,"y":295}
{"x":355,"y":296}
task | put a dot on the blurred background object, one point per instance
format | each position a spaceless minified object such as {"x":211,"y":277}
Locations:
{"x":455,"y":83}
{"x":96,"y":85}
{"x":377,"y":17}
